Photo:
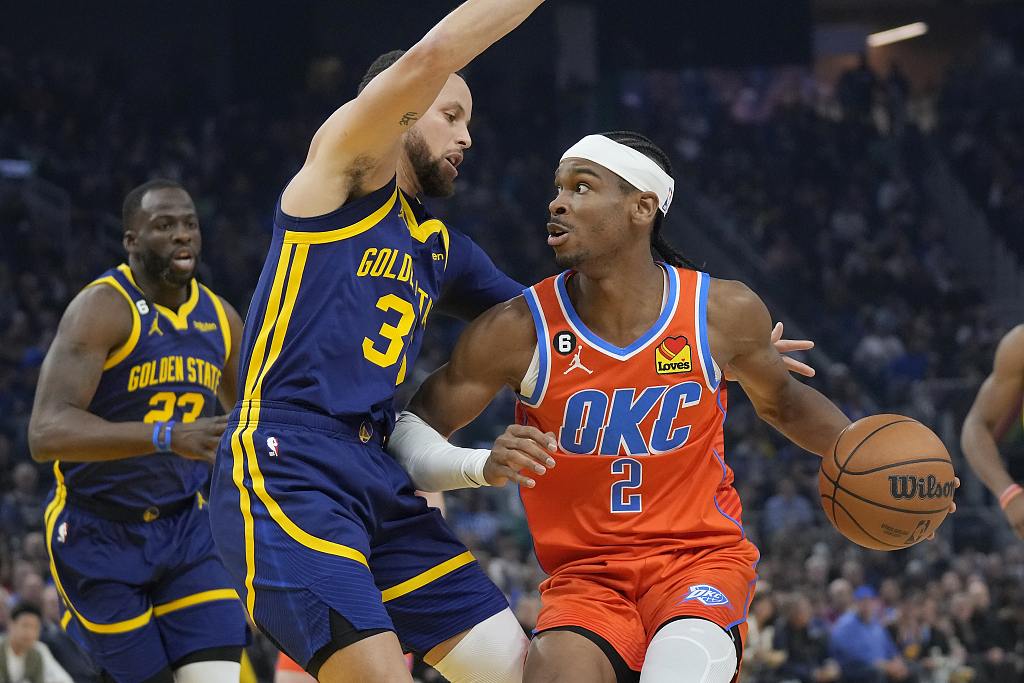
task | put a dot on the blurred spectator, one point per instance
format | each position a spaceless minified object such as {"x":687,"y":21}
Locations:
{"x":759,"y":654}
{"x":786,"y":510}
{"x":806,"y":649}
{"x":862,"y":647}
{"x":23,"y":659}
{"x":22,"y":509}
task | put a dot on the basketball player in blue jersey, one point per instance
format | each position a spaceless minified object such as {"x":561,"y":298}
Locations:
{"x":333,"y":555}
{"x":125,"y":406}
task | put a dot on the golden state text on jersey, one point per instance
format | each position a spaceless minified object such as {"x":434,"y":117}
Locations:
{"x":169,"y":369}
{"x":338,"y":316}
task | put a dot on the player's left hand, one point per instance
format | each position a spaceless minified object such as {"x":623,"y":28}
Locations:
{"x":784,"y":346}
{"x":518,"y":450}
{"x":952,"y":506}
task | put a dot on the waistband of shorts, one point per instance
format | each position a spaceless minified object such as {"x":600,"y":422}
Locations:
{"x":359,"y":429}
{"x":124,"y":514}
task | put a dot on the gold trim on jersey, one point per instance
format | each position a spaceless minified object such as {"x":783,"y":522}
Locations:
{"x":307,"y":238}
{"x":432,"y":574}
{"x":421,"y":232}
{"x":133,"y":338}
{"x":53,"y":511}
{"x":178,"y":318}
{"x":222,"y":319}
{"x":194,"y":599}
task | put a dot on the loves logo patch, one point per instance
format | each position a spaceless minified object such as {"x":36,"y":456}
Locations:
{"x":673,"y":356}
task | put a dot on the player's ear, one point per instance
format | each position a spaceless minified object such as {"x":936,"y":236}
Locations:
{"x":646,"y":208}
{"x":129,"y":240}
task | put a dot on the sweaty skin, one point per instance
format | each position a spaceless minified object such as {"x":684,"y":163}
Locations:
{"x":997,"y":397}
{"x":98,"y":322}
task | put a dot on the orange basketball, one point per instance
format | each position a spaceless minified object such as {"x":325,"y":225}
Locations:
{"x":887,"y":483}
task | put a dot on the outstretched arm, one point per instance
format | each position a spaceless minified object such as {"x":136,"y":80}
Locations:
{"x":360,"y":141}
{"x":494,"y":351}
{"x":996,"y":398}
{"x":740,"y":332}
{"x":96,"y":324}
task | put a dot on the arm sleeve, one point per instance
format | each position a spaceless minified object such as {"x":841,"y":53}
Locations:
{"x":52,"y":671}
{"x":431,"y":462}
{"x":472,"y":282}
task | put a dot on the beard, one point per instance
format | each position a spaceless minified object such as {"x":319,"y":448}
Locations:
{"x":433,"y":181}
{"x":572,"y":261}
{"x":160,"y":268}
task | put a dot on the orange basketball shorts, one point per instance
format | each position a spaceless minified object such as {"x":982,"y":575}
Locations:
{"x":626,"y":601}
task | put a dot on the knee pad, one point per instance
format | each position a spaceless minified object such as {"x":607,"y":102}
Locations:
{"x":208,"y":672}
{"x":494,"y":651}
{"x":690,"y":651}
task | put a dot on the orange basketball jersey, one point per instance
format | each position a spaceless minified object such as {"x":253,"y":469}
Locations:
{"x":639,"y":469}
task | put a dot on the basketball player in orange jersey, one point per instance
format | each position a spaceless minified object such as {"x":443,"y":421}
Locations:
{"x":997,"y":399}
{"x":618,"y":363}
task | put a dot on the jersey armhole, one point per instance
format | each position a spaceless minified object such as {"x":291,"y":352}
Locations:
{"x":543,"y":351}
{"x":222,"y":320}
{"x":133,"y":338}
{"x":712,"y":373}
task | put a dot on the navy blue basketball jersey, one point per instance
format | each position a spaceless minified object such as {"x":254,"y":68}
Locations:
{"x":338,"y":316}
{"x":169,"y":369}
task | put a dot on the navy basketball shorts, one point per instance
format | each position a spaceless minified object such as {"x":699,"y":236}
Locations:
{"x":139,"y":597}
{"x":312,"y":519}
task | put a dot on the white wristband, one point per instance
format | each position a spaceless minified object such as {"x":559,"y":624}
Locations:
{"x":431,"y":462}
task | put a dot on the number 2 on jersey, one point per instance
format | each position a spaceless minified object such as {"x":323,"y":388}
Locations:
{"x":620,"y":501}
{"x":395,"y":334}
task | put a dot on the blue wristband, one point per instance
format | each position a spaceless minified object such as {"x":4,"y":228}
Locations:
{"x":156,"y":434}
{"x":165,"y":443}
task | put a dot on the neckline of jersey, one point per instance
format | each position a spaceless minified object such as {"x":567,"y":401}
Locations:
{"x":667,"y":313}
{"x":178,"y":318}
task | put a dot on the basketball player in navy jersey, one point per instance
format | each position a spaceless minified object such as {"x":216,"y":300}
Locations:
{"x":335,"y":557}
{"x":125,"y":407}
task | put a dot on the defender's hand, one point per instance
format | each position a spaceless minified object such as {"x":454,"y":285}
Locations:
{"x":784,"y":346}
{"x":198,"y":440}
{"x":519,"y":448}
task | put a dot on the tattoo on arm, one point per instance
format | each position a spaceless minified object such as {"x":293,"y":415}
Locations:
{"x":409,"y":117}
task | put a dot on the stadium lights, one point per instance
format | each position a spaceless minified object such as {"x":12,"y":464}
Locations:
{"x":894,"y":35}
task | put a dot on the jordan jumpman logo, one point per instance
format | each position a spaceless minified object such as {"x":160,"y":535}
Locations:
{"x":577,"y":364}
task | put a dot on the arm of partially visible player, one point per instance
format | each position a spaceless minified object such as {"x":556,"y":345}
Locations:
{"x":228,"y":390}
{"x":369,"y":127}
{"x":494,"y":351}
{"x":97,"y":323}
{"x":740,"y":332}
{"x":996,"y":398}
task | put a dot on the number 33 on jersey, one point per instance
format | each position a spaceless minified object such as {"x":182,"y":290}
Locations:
{"x":639,"y":429}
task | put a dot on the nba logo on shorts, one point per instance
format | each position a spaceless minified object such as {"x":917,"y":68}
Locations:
{"x":709,"y":595}
{"x":62,"y":532}
{"x":272,"y":445}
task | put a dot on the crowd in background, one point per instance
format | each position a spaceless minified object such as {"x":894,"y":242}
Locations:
{"x":830,"y":196}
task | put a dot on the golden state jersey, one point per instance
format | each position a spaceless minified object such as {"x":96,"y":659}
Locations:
{"x":169,"y":369}
{"x":640,"y":467}
{"x":338,"y":315}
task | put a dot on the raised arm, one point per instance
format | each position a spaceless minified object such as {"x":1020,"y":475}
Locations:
{"x":96,"y":324}
{"x":996,"y":399}
{"x":357,"y":149}
{"x":740,"y":334}
{"x":494,"y":351}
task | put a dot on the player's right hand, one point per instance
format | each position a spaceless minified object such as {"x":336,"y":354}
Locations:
{"x":198,"y":440}
{"x":520,"y":448}
{"x":1015,"y":514}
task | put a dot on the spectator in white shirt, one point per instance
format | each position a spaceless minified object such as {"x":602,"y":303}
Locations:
{"x":23,"y":659}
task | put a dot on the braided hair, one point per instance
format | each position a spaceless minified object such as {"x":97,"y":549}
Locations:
{"x":649,"y":149}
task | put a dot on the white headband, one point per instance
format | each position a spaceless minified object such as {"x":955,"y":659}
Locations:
{"x":636,"y":168}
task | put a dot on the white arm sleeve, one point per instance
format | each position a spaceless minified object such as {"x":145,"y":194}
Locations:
{"x":431,"y":462}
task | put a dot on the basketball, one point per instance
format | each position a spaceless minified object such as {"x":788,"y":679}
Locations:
{"x":888,"y":482}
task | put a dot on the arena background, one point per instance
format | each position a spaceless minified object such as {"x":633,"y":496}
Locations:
{"x":874,"y":197}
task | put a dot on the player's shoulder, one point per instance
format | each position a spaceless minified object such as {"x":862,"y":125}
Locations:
{"x":510,"y":320}
{"x":100,"y":313}
{"x":1010,"y":352}
{"x":732,"y":303}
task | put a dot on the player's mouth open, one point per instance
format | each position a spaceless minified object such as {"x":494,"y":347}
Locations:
{"x":557,"y":234}
{"x":454,"y":160}
{"x":184,"y":258}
